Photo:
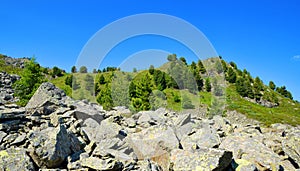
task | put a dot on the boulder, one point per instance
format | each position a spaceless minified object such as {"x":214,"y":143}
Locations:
{"x":86,"y":110}
{"x":153,"y":141}
{"x":46,"y":95}
{"x":95,"y":163}
{"x":50,"y":147}
{"x":204,"y":137}
{"x":201,"y":159}
{"x":250,"y":149}
{"x":15,"y":159}
{"x":291,"y":146}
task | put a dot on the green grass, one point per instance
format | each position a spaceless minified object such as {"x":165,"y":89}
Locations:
{"x":287,"y":112}
{"x":60,"y":83}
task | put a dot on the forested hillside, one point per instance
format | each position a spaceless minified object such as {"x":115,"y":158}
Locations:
{"x":177,"y":85}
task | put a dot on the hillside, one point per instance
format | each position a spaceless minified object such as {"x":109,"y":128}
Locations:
{"x":169,"y":86}
{"x":55,"y":131}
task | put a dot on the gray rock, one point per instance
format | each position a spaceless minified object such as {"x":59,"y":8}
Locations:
{"x":50,"y":147}
{"x":204,"y":137}
{"x":15,"y":159}
{"x":101,"y":164}
{"x":153,"y":141}
{"x":249,"y":149}
{"x":116,"y":148}
{"x":21,"y":138}
{"x":244,"y":165}
{"x":84,"y":111}
{"x":46,"y":95}
{"x":12,"y":113}
{"x":2,"y":135}
{"x":291,"y":145}
{"x":201,"y":159}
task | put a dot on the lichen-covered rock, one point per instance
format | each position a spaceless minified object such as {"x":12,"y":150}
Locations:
{"x":291,"y":145}
{"x":249,"y":149}
{"x":153,"y":141}
{"x":95,"y":163}
{"x":201,"y":159}
{"x":50,"y":147}
{"x":204,"y":137}
{"x":47,"y":94}
{"x":15,"y":159}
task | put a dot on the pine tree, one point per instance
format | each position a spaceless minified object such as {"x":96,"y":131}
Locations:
{"x":201,"y":67}
{"x":101,"y":79}
{"x":151,"y":69}
{"x":104,"y":97}
{"x":31,"y":79}
{"x":143,"y":90}
{"x":83,"y":69}
{"x":183,"y":60}
{"x":69,"y":80}
{"x":224,"y":65}
{"x":187,"y":102}
{"x":257,"y":88}
{"x":207,"y":85}
{"x":231,"y":76}
{"x":272,"y":85}
{"x":73,"y":69}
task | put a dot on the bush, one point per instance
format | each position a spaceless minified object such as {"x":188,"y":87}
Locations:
{"x":31,"y":79}
{"x":187,"y":103}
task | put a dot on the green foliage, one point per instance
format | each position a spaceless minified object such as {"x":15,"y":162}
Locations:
{"x":176,"y":98}
{"x":199,"y":81}
{"x":224,"y":65}
{"x":73,"y":69}
{"x":207,"y":85}
{"x":134,"y":70}
{"x":101,"y":79}
{"x":69,"y":80}
{"x":272,"y":85}
{"x":257,"y":88}
{"x":143,"y":89}
{"x":31,"y":79}
{"x":160,"y":80}
{"x":233,"y":65}
{"x":187,"y":103}
{"x":284,"y":113}
{"x":283,"y":91}
{"x":270,"y":96}
{"x":157,"y":99}
{"x":151,"y":69}
{"x":231,"y":76}
{"x":243,"y":87}
{"x":56,"y":72}
{"x":201,"y":67}
{"x":104,"y":97}
{"x":83,"y":69}
{"x":120,"y":85}
{"x":183,"y":60}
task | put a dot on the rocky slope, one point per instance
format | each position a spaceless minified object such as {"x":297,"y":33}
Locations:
{"x":6,"y":90}
{"x":55,"y":131}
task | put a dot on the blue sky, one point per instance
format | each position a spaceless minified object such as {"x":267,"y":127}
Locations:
{"x":261,"y":36}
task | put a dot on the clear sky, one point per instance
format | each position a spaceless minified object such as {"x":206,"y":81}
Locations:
{"x":261,"y":36}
